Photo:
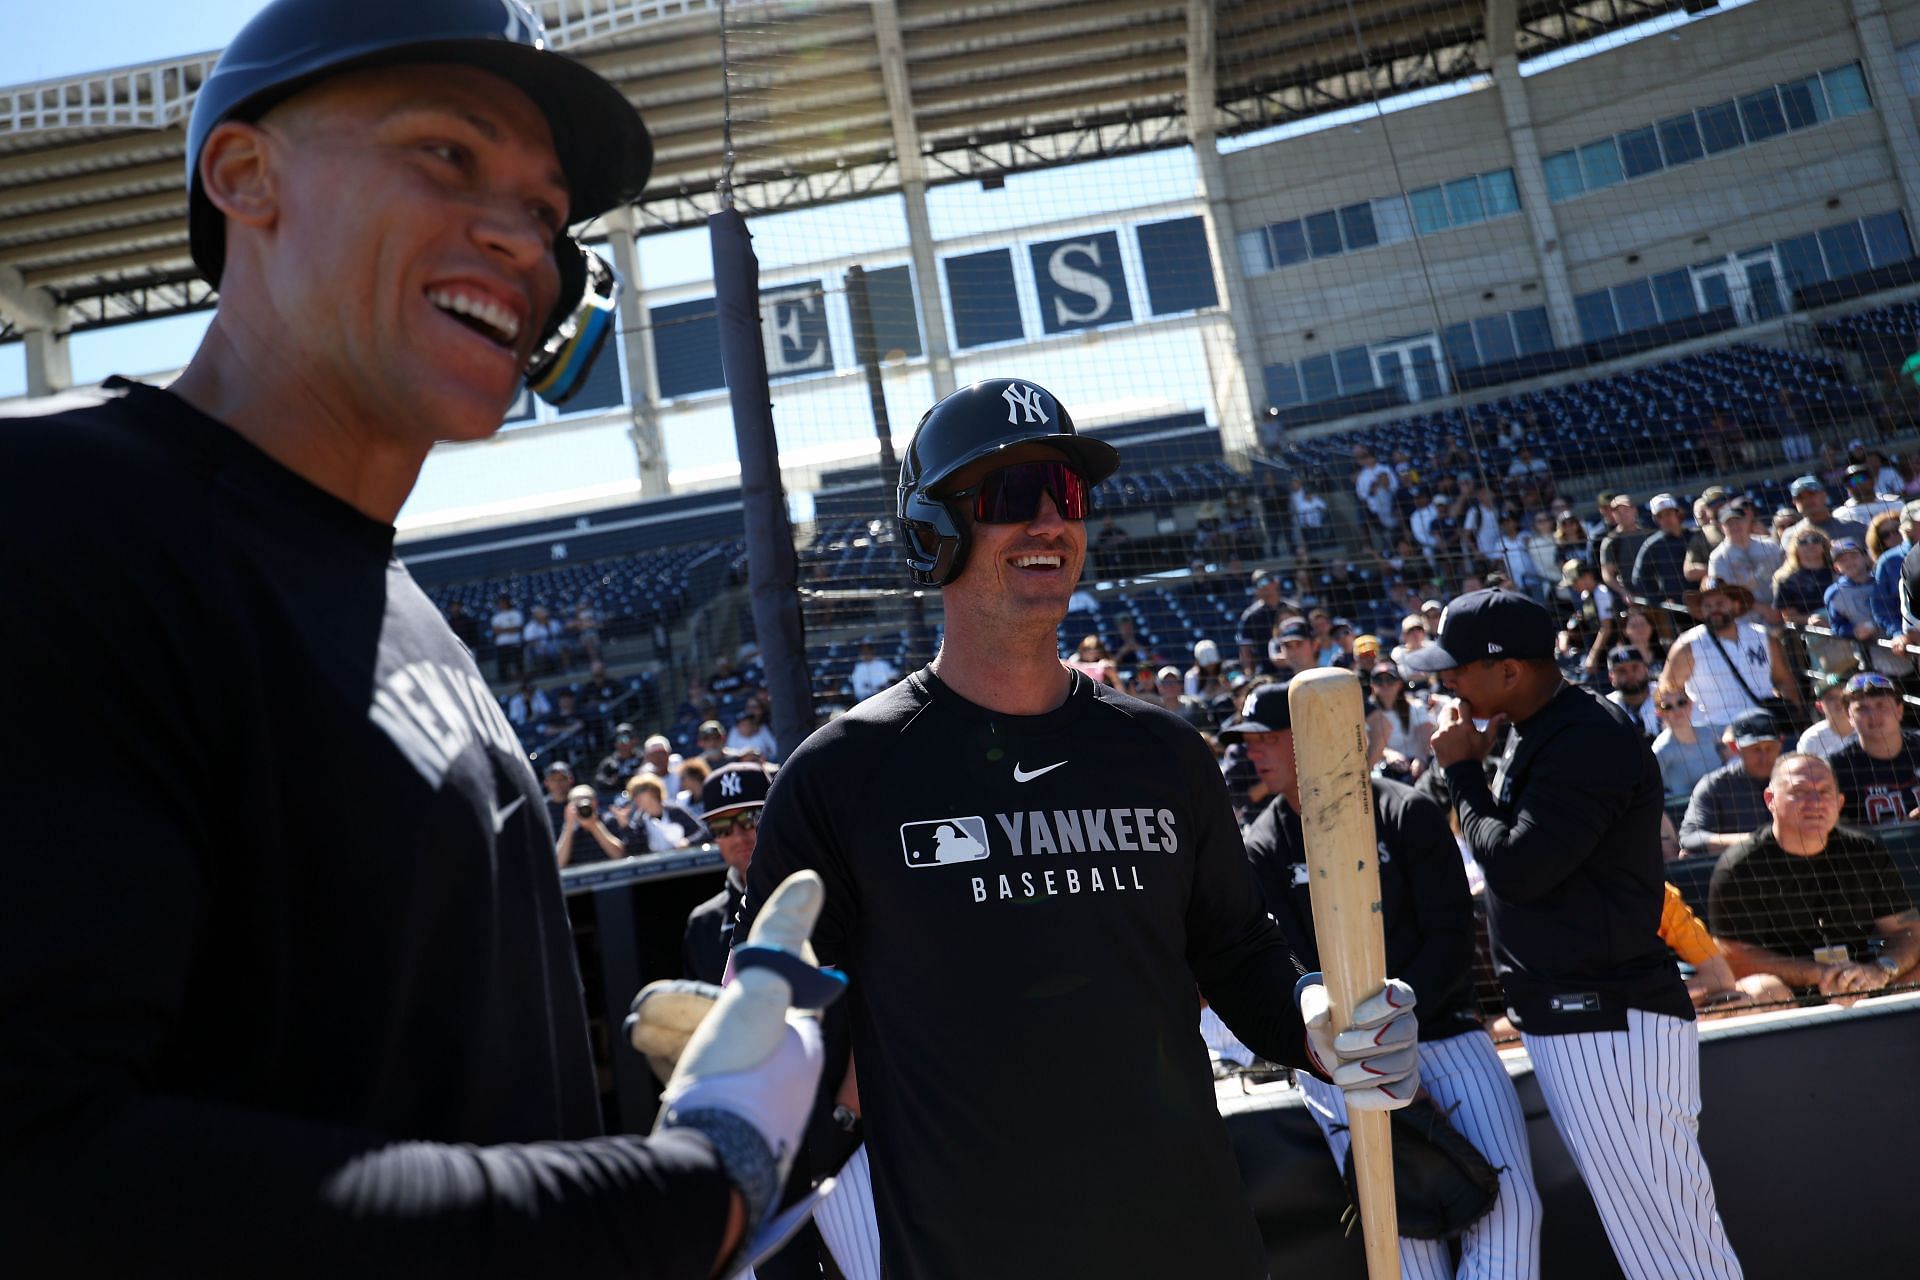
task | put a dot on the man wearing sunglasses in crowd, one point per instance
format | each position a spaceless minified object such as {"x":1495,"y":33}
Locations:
{"x":1028,"y":872}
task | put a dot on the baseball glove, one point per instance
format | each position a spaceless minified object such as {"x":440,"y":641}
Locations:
{"x":1442,"y":1183}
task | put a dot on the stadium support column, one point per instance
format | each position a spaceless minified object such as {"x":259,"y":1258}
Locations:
{"x":1890,"y":97}
{"x":913,"y":190}
{"x":643,"y":380}
{"x":1232,"y":350}
{"x":1531,"y":180}
{"x":49,"y":365}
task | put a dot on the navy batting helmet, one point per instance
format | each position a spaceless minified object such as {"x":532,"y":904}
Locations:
{"x":997,"y":420}
{"x":602,"y":145}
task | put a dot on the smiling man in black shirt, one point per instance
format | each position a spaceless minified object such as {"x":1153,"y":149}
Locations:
{"x":283,"y":1037}
{"x":1028,"y":872}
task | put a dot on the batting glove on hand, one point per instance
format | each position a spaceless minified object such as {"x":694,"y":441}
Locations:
{"x":1374,"y":1060}
{"x":749,"y":1070}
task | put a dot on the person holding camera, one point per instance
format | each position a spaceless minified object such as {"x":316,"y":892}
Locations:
{"x":583,"y":814}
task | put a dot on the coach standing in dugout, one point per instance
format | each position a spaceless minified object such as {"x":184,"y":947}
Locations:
{"x":1568,"y":836}
{"x":1427,"y":915}
{"x":1031,"y":879}
{"x":344,"y":1038}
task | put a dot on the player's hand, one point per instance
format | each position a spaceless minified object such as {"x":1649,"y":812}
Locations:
{"x":1455,"y":739}
{"x":750,"y":1067}
{"x":1374,"y":1059}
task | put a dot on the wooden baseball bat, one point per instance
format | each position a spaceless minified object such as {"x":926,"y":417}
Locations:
{"x":1336,"y":822}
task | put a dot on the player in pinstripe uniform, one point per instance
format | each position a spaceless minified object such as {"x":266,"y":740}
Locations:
{"x":1429,"y":930}
{"x":1568,"y":835}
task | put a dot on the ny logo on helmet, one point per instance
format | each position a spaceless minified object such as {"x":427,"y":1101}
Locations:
{"x":522,"y":27}
{"x":1028,"y":398}
{"x":730,"y":785}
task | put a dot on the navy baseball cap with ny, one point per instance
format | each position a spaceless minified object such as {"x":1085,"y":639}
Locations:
{"x":1486,"y":624}
{"x":1264,"y":711}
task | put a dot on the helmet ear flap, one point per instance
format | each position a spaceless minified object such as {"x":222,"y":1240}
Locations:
{"x":936,"y":544}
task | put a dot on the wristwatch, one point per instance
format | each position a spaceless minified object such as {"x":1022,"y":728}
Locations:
{"x":1891,"y":965}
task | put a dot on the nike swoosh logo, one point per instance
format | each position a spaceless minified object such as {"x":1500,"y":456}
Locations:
{"x":500,"y":816}
{"x":1021,"y":775}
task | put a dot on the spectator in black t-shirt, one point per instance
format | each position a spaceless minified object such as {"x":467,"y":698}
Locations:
{"x":1258,"y":620}
{"x":1621,"y":548}
{"x":725,"y":680}
{"x":559,"y":781}
{"x":600,"y":688}
{"x":1809,"y":901}
{"x":1660,"y":568}
{"x":1878,"y":770}
{"x":621,"y":764}
{"x":601,"y":842}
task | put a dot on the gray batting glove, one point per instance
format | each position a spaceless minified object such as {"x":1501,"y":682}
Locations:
{"x":1375,"y":1060}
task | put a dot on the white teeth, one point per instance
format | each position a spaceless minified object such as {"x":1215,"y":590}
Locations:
{"x":1028,"y":562}
{"x":503,"y":323}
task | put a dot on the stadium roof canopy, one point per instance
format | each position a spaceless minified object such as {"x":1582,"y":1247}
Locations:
{"x":826,"y":99}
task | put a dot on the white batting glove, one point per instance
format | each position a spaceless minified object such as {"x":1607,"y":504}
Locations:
{"x":1374,"y":1060}
{"x":749,"y":1070}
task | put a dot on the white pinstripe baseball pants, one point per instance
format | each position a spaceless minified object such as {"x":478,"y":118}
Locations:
{"x":1627,"y":1105}
{"x":1463,"y":1073}
{"x":847,"y":1223}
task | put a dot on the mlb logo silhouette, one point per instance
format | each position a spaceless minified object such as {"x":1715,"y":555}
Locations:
{"x":943,"y":841}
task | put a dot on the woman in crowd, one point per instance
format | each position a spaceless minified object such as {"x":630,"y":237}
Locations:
{"x":693,"y":776}
{"x":1806,"y":571}
{"x":1544,"y":548}
{"x":1409,"y":728}
{"x":653,"y":825}
{"x":1206,"y":680}
{"x":1091,"y":658}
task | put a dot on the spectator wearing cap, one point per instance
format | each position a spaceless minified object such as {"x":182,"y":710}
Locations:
{"x":1745,"y":557}
{"x":1879,"y":769}
{"x":1706,"y":512}
{"x":1413,"y":637}
{"x":1170,"y":691}
{"x":1593,"y":609}
{"x":1730,"y":802}
{"x":1660,"y":567}
{"x":1685,"y":754}
{"x":1337,"y":648}
{"x":1827,"y":735}
{"x":732,"y":797}
{"x":750,"y":736}
{"x":1849,"y":600}
{"x":1205,"y":679}
{"x":1811,"y":501}
{"x":621,"y":763}
{"x":1423,"y":516}
{"x":558,"y":777}
{"x":712,"y":740}
{"x":1863,"y":503}
{"x":1620,"y":549}
{"x":871,"y":672}
{"x":1627,"y":674}
{"x":657,"y":752}
{"x":1366,"y":655}
{"x":600,"y":843}
{"x":1258,"y":620}
{"x":1728,"y":663}
{"x":1513,"y":556}
{"x":1808,"y":901}
{"x":1293,"y":648}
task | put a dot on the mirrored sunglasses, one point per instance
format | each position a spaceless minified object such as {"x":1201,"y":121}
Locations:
{"x":745,"y":820}
{"x":1011,"y":495}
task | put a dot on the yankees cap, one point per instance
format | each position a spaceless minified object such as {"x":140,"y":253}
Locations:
{"x":1492,"y":623}
{"x":1264,"y":711}
{"x":741,"y":785}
